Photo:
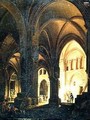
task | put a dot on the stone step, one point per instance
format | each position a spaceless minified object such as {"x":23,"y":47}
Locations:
{"x":81,"y":98}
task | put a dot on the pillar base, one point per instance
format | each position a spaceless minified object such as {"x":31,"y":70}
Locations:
{"x":54,"y":101}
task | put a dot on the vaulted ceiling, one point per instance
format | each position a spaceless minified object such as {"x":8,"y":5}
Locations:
{"x":57,"y":21}
{"x":7,"y":25}
{"x":9,"y":36}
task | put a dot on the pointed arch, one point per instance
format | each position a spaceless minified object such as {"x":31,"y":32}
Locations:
{"x":15,"y":12}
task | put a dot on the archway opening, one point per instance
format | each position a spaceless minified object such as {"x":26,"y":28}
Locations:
{"x":52,"y":32}
{"x":13,"y":86}
{"x":43,"y":86}
{"x":73,"y":77}
{"x":12,"y":37}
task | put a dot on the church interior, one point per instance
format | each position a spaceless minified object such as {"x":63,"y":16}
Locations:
{"x":44,"y":51}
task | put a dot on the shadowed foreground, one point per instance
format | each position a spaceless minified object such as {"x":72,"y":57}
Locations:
{"x":64,"y":112}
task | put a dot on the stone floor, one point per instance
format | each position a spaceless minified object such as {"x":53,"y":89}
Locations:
{"x":47,"y":112}
{"x":44,"y":112}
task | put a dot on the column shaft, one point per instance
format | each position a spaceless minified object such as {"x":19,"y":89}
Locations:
{"x":88,"y":57}
{"x":54,"y":83}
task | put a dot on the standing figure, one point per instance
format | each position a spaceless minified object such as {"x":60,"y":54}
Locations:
{"x":71,"y":98}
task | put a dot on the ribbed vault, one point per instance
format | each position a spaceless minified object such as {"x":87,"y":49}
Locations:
{"x":60,"y":24}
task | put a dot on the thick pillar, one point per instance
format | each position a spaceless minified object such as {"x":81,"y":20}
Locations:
{"x":35,"y":72}
{"x":23,"y":76}
{"x":35,"y":83}
{"x":2,"y":81}
{"x":6,"y":84}
{"x":25,"y":50}
{"x":54,"y":99}
{"x":54,"y":84}
{"x":88,"y":56}
{"x":87,"y":20}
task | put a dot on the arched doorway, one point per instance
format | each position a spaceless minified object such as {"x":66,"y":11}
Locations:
{"x":43,"y":86}
{"x":44,"y":89}
{"x":73,"y":77}
{"x":14,"y":86}
{"x":13,"y":35}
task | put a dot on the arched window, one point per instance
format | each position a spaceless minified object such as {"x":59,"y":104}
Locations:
{"x":81,"y":63}
{"x":77,"y":63}
{"x":44,"y":72}
{"x":41,"y":72}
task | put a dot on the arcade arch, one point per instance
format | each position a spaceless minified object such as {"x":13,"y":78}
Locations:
{"x":54,"y":30}
{"x":14,"y":87}
{"x":73,"y":76}
{"x":43,"y":86}
{"x":13,"y":84}
{"x":49,"y":28}
{"x":14,"y":11}
{"x":10,"y":14}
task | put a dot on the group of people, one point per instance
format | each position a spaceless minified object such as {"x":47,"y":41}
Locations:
{"x":7,"y":108}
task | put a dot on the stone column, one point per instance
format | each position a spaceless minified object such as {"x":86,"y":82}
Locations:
{"x":23,"y":76}
{"x":6,"y":84}
{"x":54,"y":99}
{"x":54,"y":84}
{"x":25,"y":50}
{"x":2,"y":81}
{"x":27,"y":73}
{"x":87,"y":25}
{"x":35,"y":82}
{"x":35,"y":73}
{"x":88,"y":55}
